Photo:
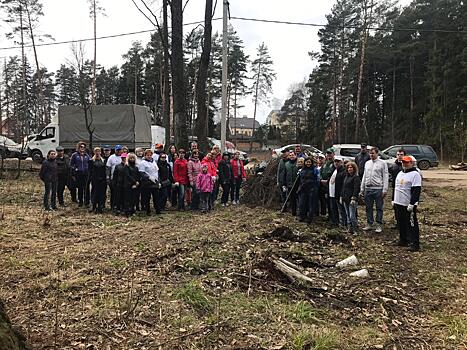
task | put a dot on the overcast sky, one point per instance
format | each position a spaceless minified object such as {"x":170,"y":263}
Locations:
{"x":288,"y":44}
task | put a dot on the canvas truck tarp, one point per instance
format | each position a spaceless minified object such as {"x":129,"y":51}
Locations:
{"x":129,"y":125}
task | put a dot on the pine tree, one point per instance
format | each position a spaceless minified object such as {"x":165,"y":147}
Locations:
{"x":263,"y":76}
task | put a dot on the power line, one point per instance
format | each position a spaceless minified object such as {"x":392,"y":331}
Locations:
{"x":98,"y":38}
{"x":432,"y":30}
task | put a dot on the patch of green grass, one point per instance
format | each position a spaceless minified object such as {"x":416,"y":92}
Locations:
{"x":193,"y":294}
{"x":304,"y":312}
{"x":322,"y":339}
{"x":455,"y":325}
{"x":117,"y":262}
{"x":140,"y":247}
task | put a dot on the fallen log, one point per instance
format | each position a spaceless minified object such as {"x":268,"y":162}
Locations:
{"x":292,"y":273}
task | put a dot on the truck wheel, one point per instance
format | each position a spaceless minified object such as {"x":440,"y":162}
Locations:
{"x":37,"y":156}
{"x":423,"y":165}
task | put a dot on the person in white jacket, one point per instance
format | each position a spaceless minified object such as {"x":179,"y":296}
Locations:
{"x":374,"y":187}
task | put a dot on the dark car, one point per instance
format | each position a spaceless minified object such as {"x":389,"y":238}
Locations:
{"x":425,"y":155}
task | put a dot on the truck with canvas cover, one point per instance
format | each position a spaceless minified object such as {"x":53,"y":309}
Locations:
{"x":128,"y":125}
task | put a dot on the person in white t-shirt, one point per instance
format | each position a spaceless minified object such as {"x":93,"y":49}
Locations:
{"x":408,"y":186}
{"x":111,"y":163}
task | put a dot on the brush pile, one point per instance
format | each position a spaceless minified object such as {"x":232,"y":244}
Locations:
{"x":261,"y":189}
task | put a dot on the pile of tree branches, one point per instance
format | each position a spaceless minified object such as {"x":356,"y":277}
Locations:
{"x":261,"y":190}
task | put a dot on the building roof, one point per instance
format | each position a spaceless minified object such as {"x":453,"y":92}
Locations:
{"x":243,"y":123}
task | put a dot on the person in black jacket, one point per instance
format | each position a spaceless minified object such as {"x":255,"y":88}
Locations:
{"x":131,"y":184}
{"x":226,"y":177}
{"x":166,"y":180}
{"x":341,"y":173}
{"x":394,"y":170}
{"x":308,"y":190}
{"x":117,"y":184}
{"x":97,"y":177}
{"x":63,"y":169}
{"x":349,"y":195}
{"x":48,"y":175}
{"x":361,"y":159}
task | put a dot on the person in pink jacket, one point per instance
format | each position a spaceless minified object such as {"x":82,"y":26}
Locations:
{"x":194,"y":168}
{"x":204,"y":186}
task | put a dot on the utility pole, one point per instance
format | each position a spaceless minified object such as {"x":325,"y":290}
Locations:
{"x":224,"y":75}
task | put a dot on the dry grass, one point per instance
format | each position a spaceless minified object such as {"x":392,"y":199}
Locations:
{"x":180,"y":281}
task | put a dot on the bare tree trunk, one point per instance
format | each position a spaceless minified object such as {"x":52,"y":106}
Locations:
{"x":201,"y":79}
{"x":24,"y":104}
{"x":42,"y":108}
{"x":393,"y":102}
{"x":95,"y":53}
{"x":166,"y":83}
{"x":411,"y":99}
{"x":235,"y":117}
{"x":360,"y":73}
{"x":334,"y":101}
{"x":178,"y":81}
{"x":136,"y":83}
{"x":256,"y":105}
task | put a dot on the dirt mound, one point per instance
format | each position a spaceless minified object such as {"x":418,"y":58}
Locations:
{"x":261,"y":190}
{"x":284,"y":234}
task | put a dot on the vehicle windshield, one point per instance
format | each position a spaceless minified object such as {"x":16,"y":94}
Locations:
{"x":6,"y":141}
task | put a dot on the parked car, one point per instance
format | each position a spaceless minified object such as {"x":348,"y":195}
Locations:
{"x":229,"y":147}
{"x":305,"y":148}
{"x":11,"y":149}
{"x":425,"y":155}
{"x":349,"y":151}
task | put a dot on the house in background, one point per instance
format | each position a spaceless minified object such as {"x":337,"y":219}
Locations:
{"x":242,"y":128}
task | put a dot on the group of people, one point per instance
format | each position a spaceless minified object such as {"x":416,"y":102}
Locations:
{"x":334,"y":187}
{"x":143,"y":180}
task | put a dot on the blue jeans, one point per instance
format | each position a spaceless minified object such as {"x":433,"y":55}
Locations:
{"x":374,"y":196}
{"x":343,"y":214}
{"x":50,"y":191}
{"x":181,"y":196}
{"x":351,"y":213}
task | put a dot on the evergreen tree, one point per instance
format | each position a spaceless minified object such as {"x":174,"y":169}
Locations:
{"x":263,"y":76}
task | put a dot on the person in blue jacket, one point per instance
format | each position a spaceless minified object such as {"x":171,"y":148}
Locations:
{"x":308,"y":190}
{"x":80,"y":173}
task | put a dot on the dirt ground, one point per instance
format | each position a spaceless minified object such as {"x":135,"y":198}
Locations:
{"x":443,"y":177}
{"x":73,"y":280}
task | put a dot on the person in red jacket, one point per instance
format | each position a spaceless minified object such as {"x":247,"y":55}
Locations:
{"x":181,"y":177}
{"x":239,"y":175}
{"x":212,"y":170}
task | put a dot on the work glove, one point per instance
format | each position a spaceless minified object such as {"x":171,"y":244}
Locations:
{"x":392,"y":204}
{"x":341,"y":201}
{"x":353,"y":202}
{"x":361,"y":194}
{"x":214,"y":178}
{"x":284,"y":189}
{"x":177,"y":184}
{"x":159,"y":186}
{"x":410,"y":208}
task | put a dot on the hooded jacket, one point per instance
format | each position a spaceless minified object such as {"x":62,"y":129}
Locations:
{"x":212,"y":169}
{"x":204,"y":183}
{"x":194,"y":168}
{"x":225,"y":172}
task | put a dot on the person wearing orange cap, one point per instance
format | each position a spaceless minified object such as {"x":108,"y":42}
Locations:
{"x":406,"y":196}
{"x":158,"y":149}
